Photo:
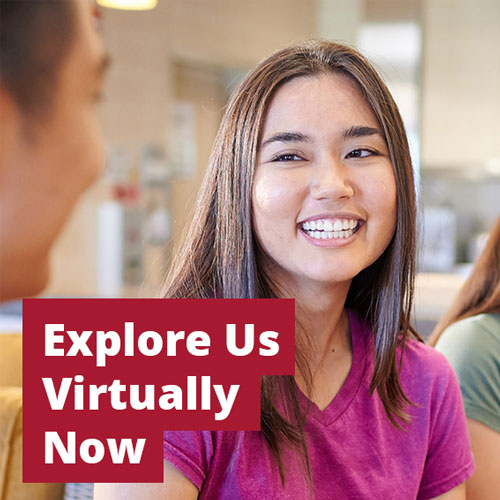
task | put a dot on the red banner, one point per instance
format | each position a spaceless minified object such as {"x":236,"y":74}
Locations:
{"x":102,"y":378}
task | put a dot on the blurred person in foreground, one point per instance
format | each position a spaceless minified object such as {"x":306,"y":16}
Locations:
{"x":51,"y":69}
{"x":469,"y":336}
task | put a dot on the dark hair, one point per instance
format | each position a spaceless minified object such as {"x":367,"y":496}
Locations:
{"x":219,"y":256}
{"x":34,"y":38}
{"x":481,"y":291}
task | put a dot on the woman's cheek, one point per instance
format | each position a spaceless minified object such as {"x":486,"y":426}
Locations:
{"x":381,"y":205}
{"x":276,"y":196}
{"x":380,"y":187}
{"x":389,"y":198}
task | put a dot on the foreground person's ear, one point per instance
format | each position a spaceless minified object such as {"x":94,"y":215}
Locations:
{"x":10,"y":118}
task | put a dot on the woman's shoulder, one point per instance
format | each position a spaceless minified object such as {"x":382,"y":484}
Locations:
{"x":472,"y":346}
{"x":429,"y":381}
{"x":471,"y":341}
{"x":480,"y":332}
{"x":427,"y":377}
{"x":423,"y":360}
{"x":415,"y":358}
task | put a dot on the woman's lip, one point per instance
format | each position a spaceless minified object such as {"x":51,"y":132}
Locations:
{"x":340,"y":216}
{"x":332,"y":242}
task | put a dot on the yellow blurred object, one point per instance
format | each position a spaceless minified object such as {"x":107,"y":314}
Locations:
{"x":11,"y":348}
{"x":129,"y":4}
{"x":11,"y":427}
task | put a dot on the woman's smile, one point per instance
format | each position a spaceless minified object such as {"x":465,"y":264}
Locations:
{"x":330,"y":231}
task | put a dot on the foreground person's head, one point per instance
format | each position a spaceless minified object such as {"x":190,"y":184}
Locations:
{"x":51,"y":69}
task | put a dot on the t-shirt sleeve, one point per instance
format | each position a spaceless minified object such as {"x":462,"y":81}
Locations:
{"x":190,"y":452}
{"x":449,"y":459}
{"x":473,"y":350}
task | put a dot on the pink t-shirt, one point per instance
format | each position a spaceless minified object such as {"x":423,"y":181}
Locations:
{"x":354,"y":450}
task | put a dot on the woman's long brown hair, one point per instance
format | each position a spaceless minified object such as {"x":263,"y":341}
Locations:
{"x":481,"y":291}
{"x":219,"y":256}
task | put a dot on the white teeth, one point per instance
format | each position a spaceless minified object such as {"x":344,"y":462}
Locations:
{"x":324,"y":229}
{"x":338,"y":225}
{"x":328,"y":235}
{"x":327,"y":225}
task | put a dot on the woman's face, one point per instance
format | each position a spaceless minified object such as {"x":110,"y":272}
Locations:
{"x":324,"y":193}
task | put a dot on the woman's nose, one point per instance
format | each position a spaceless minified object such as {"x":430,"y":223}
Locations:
{"x":330,"y":180}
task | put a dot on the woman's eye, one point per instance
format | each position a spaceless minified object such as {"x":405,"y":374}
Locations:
{"x":287,"y":157}
{"x":361,"y":153}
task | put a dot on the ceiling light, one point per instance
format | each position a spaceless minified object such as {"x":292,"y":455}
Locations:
{"x":129,"y":4}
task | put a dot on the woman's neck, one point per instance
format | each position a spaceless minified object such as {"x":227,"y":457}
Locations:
{"x":321,"y":316}
{"x":324,"y":334}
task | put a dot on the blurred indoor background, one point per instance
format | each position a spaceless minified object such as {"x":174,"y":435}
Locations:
{"x":172,"y":70}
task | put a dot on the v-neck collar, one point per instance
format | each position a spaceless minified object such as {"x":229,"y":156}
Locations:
{"x":349,"y":389}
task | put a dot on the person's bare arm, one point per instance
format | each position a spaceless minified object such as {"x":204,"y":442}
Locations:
{"x":485,"y":482}
{"x":175,"y":486}
{"x":457,"y":493}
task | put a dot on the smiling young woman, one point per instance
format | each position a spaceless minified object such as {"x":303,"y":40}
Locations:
{"x":309,"y":194}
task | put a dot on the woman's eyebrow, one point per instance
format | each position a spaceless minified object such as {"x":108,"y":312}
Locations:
{"x":286,"y":137}
{"x":360,"y":131}
{"x":352,"y":132}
